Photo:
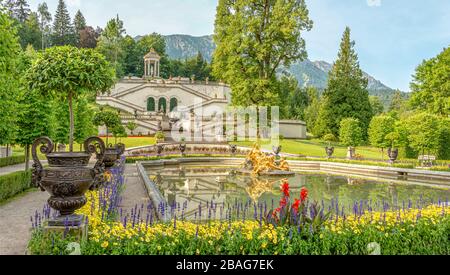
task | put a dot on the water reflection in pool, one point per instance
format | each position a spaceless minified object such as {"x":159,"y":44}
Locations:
{"x":201,"y":184}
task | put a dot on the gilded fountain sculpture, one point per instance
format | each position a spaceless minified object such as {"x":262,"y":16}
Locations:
{"x":259,"y":163}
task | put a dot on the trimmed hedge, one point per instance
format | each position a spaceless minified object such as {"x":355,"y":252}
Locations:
{"x":11,"y":160}
{"x":13,"y":184}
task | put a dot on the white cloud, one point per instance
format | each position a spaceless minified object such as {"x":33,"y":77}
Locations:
{"x":73,"y":3}
{"x":374,"y":3}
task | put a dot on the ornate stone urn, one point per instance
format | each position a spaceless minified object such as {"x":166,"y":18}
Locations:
{"x":159,"y":149}
{"x":329,"y":151}
{"x":233,"y":149}
{"x":276,"y":151}
{"x":182,"y":148}
{"x":393,"y":154}
{"x":112,"y":154}
{"x":68,"y":177}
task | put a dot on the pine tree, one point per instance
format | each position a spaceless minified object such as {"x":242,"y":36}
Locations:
{"x":63,"y":31}
{"x":45,"y":18}
{"x":19,"y":9}
{"x":346,"y":94}
{"x":79,"y":21}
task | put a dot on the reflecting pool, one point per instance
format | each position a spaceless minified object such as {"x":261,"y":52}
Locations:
{"x":196,"y":188}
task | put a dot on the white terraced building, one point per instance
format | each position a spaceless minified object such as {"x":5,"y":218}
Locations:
{"x":154,"y":103}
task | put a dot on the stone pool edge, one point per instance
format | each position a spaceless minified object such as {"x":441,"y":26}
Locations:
{"x":366,"y":171}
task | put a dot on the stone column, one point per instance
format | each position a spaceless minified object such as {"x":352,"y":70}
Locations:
{"x":157,"y":68}
{"x":145,"y":68}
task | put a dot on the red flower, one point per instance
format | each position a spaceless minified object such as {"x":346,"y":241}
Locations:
{"x":283,"y":202}
{"x":296,"y":204}
{"x":285,"y":188}
{"x":303,"y":194}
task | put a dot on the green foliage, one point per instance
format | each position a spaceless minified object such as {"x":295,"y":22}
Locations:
{"x":13,"y":184}
{"x":294,"y":100}
{"x":346,"y":94}
{"x":376,"y":104}
{"x":63,"y":30}
{"x":79,"y":22}
{"x":160,"y":135}
{"x":9,"y":78}
{"x":350,"y":132}
{"x":131,"y":126}
{"x":379,"y":128}
{"x":329,"y":138}
{"x":34,"y":118}
{"x":106,"y":118}
{"x":84,"y":126}
{"x":45,"y":19}
{"x":60,"y":121}
{"x":110,"y":44}
{"x":313,"y":109}
{"x":11,"y":160}
{"x":67,"y":73}
{"x":63,"y":71}
{"x":430,"y":87}
{"x":30,"y":32}
{"x":423,"y":132}
{"x":254,"y":38}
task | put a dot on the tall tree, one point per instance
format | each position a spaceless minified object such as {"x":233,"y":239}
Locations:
{"x":346,"y":94}
{"x":376,"y":104}
{"x":312,"y":111}
{"x":431,"y":85}
{"x":9,"y":78}
{"x":379,"y":128}
{"x":68,"y":73}
{"x":397,"y":102}
{"x":254,"y":38}
{"x":63,"y":31}
{"x":110,"y":44}
{"x":30,"y":32}
{"x":19,"y":9}
{"x":45,"y":19}
{"x":79,"y":24}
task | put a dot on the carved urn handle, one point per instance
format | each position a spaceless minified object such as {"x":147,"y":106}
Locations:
{"x":46,"y":147}
{"x":96,"y":145}
{"x":120,"y":147}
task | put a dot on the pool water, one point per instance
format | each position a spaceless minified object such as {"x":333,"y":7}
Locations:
{"x":196,"y":186}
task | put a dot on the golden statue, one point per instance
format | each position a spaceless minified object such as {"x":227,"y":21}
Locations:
{"x":259,"y":162}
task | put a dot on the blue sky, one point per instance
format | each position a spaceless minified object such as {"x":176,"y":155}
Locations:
{"x":392,"y":36}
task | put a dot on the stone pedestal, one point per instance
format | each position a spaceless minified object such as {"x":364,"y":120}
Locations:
{"x":79,"y":230}
{"x":350,"y":152}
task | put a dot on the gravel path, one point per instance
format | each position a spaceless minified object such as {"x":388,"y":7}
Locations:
{"x":15,"y":215}
{"x":15,"y":222}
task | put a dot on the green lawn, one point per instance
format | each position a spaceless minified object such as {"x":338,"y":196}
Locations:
{"x":316,"y":148}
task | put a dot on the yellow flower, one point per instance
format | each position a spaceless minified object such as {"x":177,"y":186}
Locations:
{"x":158,"y":247}
{"x":263,"y":245}
{"x":105,"y":244}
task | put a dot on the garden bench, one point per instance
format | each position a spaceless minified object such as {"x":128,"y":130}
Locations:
{"x":427,"y":160}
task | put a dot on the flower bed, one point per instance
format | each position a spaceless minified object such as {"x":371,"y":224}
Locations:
{"x":292,"y":228}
